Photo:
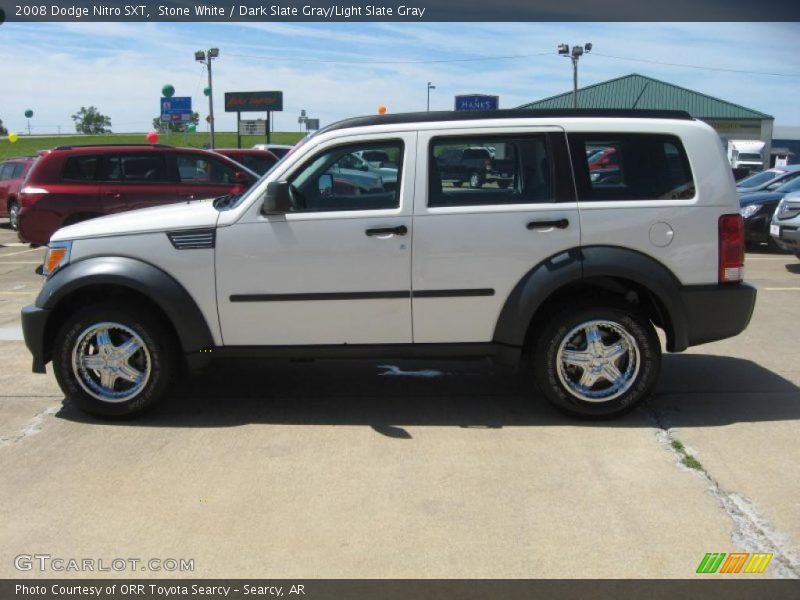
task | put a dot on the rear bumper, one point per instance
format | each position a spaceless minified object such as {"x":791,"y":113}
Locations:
{"x":716,"y":312}
{"x":34,"y":321}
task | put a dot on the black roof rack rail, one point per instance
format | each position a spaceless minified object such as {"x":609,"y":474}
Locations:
{"x":71,"y":146}
{"x":506,"y":113}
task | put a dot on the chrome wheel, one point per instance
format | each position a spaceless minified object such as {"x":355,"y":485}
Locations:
{"x":598,"y":361}
{"x":111,"y":362}
{"x":13,"y":216}
{"x":474,"y":180}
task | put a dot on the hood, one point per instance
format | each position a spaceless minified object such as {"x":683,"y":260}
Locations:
{"x":759,"y":198}
{"x":184,"y":215}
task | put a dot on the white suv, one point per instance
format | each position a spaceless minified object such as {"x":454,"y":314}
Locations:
{"x":567,"y":273}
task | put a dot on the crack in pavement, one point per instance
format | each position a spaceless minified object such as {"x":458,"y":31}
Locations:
{"x":752,"y":530}
{"x":32,"y":427}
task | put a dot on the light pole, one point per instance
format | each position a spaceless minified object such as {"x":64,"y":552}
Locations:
{"x":577,"y":52}
{"x":430,"y":87}
{"x":205,"y":58}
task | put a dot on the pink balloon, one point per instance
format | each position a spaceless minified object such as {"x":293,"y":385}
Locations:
{"x":152,"y":137}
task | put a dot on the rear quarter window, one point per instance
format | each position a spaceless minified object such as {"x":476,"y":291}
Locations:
{"x":84,"y":167}
{"x":630,"y":166}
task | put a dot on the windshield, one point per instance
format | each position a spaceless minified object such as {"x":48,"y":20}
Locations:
{"x":749,"y":156}
{"x":757,"y":179}
{"x":792,"y":186}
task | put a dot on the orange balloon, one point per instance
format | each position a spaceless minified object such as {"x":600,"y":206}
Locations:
{"x":381,"y":110}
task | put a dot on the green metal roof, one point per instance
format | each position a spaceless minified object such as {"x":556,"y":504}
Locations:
{"x":638,"y":91}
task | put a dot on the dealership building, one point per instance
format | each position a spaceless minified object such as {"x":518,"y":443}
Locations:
{"x":731,"y":121}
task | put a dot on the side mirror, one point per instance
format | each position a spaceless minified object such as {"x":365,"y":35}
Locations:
{"x":276,"y":200}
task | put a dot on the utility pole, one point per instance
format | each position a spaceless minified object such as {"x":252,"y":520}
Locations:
{"x":574,"y":55}
{"x":205,"y":58}
{"x":430,"y":87}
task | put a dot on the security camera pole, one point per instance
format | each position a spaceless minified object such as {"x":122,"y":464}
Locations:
{"x":577,"y":52}
{"x":205,"y":58}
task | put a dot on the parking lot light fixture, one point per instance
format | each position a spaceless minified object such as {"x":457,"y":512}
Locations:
{"x":205,"y":58}
{"x":430,"y":87}
{"x":574,"y":55}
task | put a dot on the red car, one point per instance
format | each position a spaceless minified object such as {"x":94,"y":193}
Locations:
{"x":75,"y":183}
{"x":12,"y":174}
{"x":258,"y":161}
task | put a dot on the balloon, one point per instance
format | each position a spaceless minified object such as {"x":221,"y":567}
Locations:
{"x":13,"y":137}
{"x":381,"y":110}
{"x":191,"y":128}
{"x":152,"y":137}
{"x":29,"y":113}
{"x":168,"y":91}
{"x":207,"y":91}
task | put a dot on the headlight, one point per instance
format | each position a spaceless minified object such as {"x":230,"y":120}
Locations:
{"x":749,"y":210}
{"x":57,"y":256}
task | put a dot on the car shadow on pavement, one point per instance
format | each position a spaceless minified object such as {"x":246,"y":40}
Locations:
{"x":694,"y":390}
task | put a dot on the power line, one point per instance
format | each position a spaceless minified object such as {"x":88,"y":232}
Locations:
{"x":685,"y":66}
{"x":391,"y":62}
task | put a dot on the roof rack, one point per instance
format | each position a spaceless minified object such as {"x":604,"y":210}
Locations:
{"x":71,"y":146}
{"x":510,"y":113}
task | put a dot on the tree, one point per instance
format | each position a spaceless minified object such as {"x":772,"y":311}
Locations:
{"x":3,"y":130}
{"x":89,"y":120}
{"x":159,"y":126}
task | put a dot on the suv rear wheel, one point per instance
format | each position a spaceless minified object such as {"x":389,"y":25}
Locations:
{"x":114,"y":361}
{"x":597,"y":360}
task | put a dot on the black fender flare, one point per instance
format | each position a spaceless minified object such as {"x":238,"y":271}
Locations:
{"x":169,"y":295}
{"x":590,"y":262}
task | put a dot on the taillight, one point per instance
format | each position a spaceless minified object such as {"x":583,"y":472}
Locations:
{"x":28,"y":196}
{"x":488,"y":164}
{"x":731,"y":248}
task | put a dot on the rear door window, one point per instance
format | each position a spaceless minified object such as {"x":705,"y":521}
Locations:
{"x":5,"y":171}
{"x":467,"y":171}
{"x":18,"y":169}
{"x":197,"y":168}
{"x":630,"y":167}
{"x":148,"y":167}
{"x":84,"y":167}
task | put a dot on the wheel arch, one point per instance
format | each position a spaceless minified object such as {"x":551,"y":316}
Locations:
{"x":594,"y":270}
{"x":117,"y":278}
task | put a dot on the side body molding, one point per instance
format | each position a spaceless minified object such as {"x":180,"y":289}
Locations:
{"x":591,"y":262}
{"x":179,"y":307}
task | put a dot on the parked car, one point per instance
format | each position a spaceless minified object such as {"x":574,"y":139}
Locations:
{"x":74,"y":183}
{"x":12,"y":173}
{"x":476,"y":166}
{"x":258,"y":161}
{"x":757,"y":210}
{"x":556,"y":273}
{"x":279,"y":150}
{"x":768,"y":180}
{"x":785,"y":226}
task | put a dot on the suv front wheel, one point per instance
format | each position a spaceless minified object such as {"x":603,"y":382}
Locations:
{"x":597,"y":360}
{"x":114,"y":361}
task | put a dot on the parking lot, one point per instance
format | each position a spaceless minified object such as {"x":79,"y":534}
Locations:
{"x":373,"y":469}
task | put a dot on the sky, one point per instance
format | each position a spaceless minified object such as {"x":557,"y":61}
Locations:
{"x":338,"y":70}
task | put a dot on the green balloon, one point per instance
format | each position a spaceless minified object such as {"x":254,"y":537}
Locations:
{"x":29,"y":113}
{"x":207,"y":91}
{"x":191,"y":128}
{"x":168,"y":91}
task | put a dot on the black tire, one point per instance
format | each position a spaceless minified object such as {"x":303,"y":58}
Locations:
{"x":640,"y":334}
{"x":503,"y":185}
{"x":475,"y":180}
{"x":157,"y":339}
{"x":458,"y":183}
{"x":13,"y":215}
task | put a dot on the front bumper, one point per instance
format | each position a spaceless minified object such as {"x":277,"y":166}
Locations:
{"x":34,"y":323}
{"x":716,"y":312}
{"x":788,"y":238}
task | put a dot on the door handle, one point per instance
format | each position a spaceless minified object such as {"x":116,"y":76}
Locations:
{"x":114,"y":195}
{"x":399,"y":230}
{"x":558,"y":224}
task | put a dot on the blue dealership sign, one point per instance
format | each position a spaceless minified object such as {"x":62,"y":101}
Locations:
{"x":477,"y":102}
{"x":177,"y":109}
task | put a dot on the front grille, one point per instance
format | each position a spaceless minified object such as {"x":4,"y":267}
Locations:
{"x":193,"y":239}
{"x":788,"y":210}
